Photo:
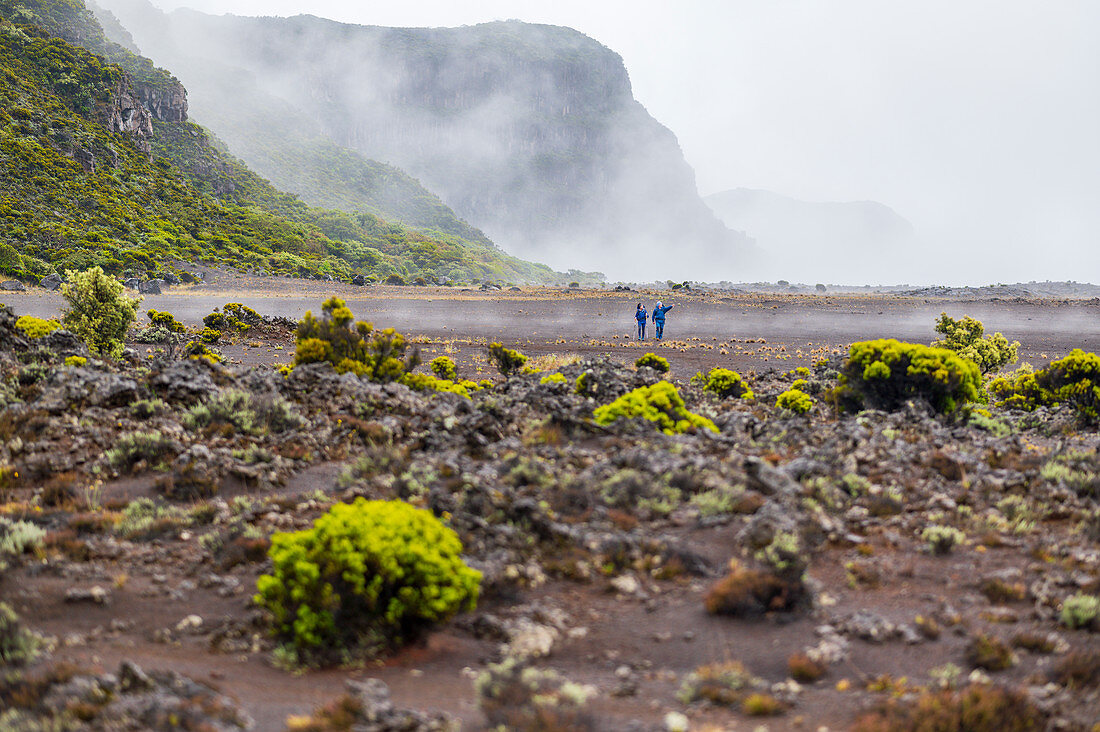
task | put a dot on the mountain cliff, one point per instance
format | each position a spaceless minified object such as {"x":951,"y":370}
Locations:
{"x":99,"y":166}
{"x":816,"y":241}
{"x":529,"y":132}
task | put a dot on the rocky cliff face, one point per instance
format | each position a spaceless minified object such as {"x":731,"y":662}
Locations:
{"x":529,"y":132}
{"x":125,"y":113}
{"x":167,"y":104}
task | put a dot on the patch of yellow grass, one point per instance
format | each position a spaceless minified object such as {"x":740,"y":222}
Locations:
{"x":553,"y":361}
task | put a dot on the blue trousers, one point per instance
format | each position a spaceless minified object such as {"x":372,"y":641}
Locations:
{"x":641,"y":330}
{"x":659,"y":326}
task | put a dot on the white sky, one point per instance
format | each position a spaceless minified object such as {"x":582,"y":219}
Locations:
{"x":978,"y":120}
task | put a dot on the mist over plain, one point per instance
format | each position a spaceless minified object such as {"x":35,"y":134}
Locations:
{"x":975,"y":123}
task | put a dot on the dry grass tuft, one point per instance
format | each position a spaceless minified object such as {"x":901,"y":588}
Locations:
{"x":553,"y":361}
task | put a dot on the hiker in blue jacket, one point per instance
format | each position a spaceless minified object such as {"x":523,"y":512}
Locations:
{"x":659,"y":318}
{"x":640,"y":315}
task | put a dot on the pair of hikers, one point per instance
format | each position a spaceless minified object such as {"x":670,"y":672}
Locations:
{"x":658,"y":319}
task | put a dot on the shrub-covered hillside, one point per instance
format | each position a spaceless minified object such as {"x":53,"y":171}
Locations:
{"x":100,"y":166}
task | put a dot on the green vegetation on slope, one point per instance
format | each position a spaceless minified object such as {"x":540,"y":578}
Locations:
{"x":75,"y":194}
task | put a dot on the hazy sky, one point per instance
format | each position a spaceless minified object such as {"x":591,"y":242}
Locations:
{"x":978,"y":120}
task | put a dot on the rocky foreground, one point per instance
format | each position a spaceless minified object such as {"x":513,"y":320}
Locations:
{"x":885,"y":557}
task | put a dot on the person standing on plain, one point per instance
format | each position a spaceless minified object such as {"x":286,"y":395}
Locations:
{"x":659,"y":319}
{"x":641,"y":315}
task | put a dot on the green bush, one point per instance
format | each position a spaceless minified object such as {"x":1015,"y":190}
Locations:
{"x":884,"y":374}
{"x":965,"y":337}
{"x":660,"y":404}
{"x":653,"y":361}
{"x":210,"y":336}
{"x":233,"y":317}
{"x":942,"y":539}
{"x":166,"y":321}
{"x":197,"y":350}
{"x":724,"y":383}
{"x":795,"y":400}
{"x":244,"y":413}
{"x":154,"y":334}
{"x":1081,"y":611}
{"x":506,"y":360}
{"x":354,"y":347}
{"x":1018,"y":390}
{"x":144,"y":518}
{"x":98,"y":311}
{"x":554,"y":378}
{"x":34,"y":327}
{"x":130,"y":448}
{"x":368,"y":576}
{"x":1073,"y":380}
{"x":444,"y":368}
{"x":18,"y":646}
{"x":18,"y":538}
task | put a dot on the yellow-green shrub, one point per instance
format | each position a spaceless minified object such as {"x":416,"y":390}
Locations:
{"x":884,"y":374}
{"x":379,"y":355}
{"x":724,"y":383}
{"x":98,"y":311}
{"x":660,"y":404}
{"x":233,"y":317}
{"x":444,"y":368}
{"x":427,"y":382}
{"x":367,"y":576}
{"x":196,"y":350}
{"x":36,"y":327}
{"x":795,"y":400}
{"x":165,"y":320}
{"x":1072,"y":380}
{"x":965,"y":337}
{"x":554,"y":378}
{"x":506,"y":360}
{"x":653,"y":361}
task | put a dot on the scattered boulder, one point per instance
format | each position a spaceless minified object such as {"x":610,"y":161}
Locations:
{"x":132,"y":283}
{"x":51,"y":281}
{"x":64,"y":343}
{"x":95,"y":594}
{"x":374,"y":710}
{"x":152,"y":287}
{"x":13,"y":286}
{"x":186,"y":382}
{"x":359,"y":280}
{"x":171,"y":278}
{"x":135,"y":700}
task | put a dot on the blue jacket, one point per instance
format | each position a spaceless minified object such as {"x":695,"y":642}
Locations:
{"x":640,"y":316}
{"x":659,"y":313}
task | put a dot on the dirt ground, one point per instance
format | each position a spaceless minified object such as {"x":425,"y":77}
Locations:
{"x":662,"y":631}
